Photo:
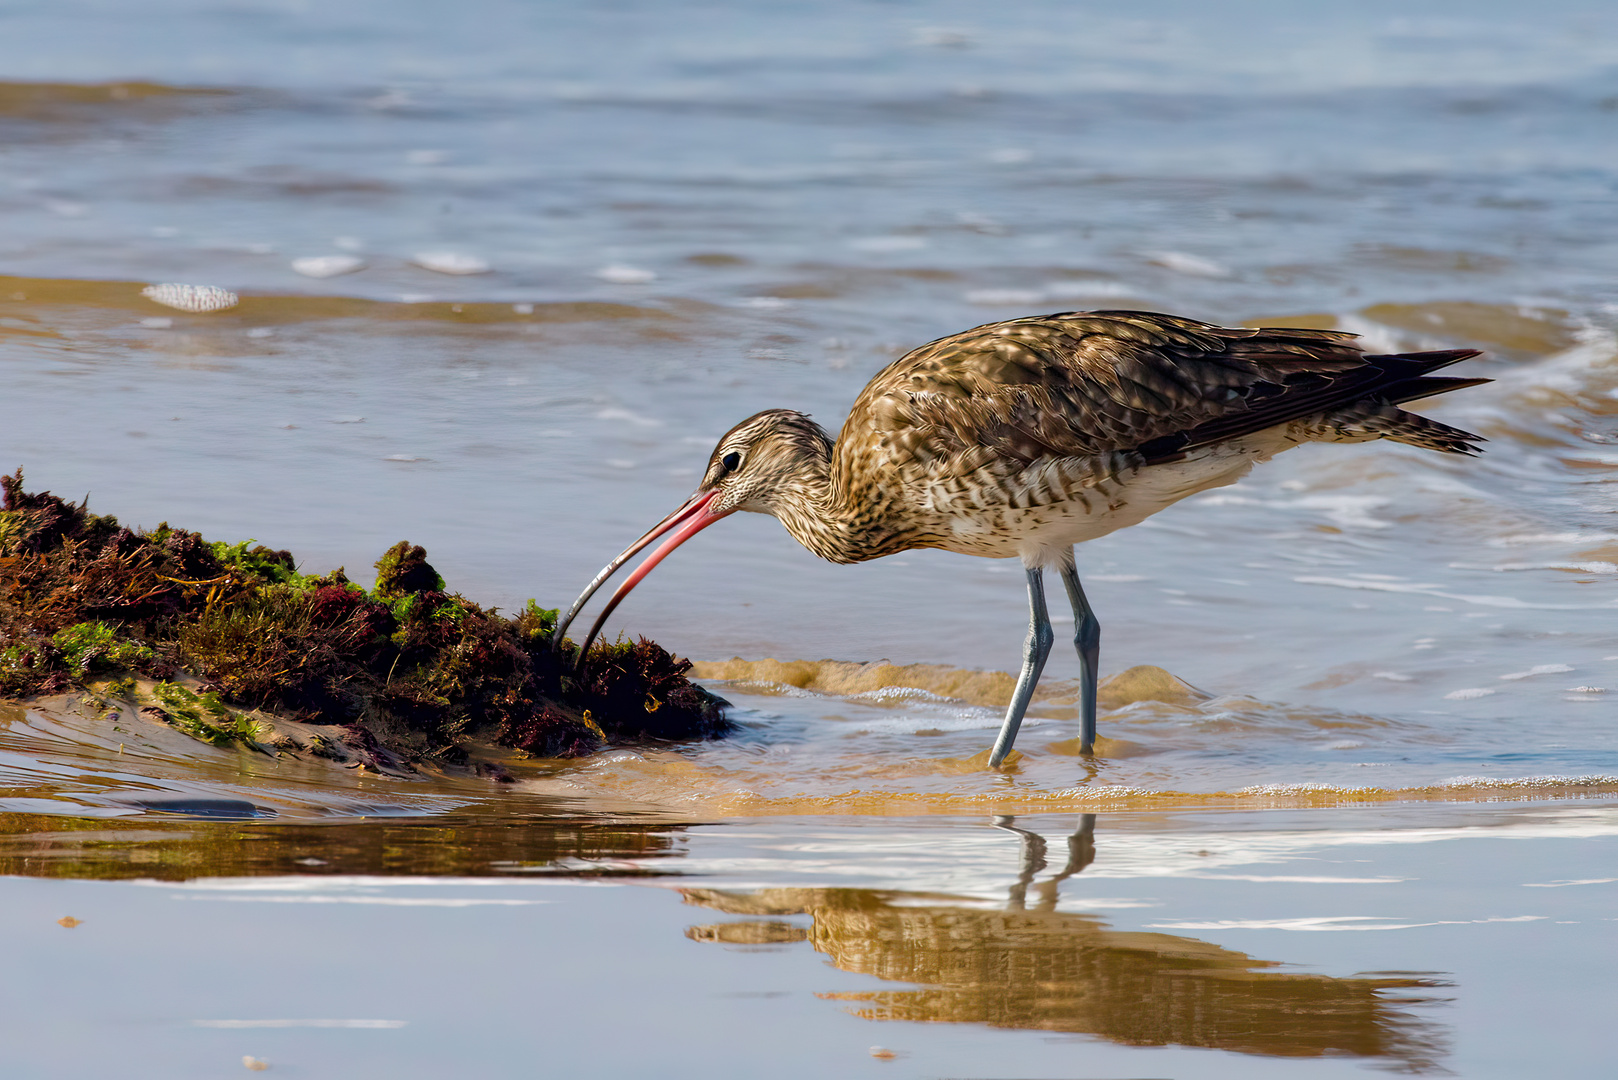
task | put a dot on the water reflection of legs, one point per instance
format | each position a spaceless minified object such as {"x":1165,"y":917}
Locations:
{"x":1033,"y":860}
{"x":1081,"y":852}
{"x":1032,"y":967}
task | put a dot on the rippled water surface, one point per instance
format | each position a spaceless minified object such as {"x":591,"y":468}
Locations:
{"x":688,"y":214}
{"x":507,"y":271}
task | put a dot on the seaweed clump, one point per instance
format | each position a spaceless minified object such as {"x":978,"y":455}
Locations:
{"x":406,"y":664}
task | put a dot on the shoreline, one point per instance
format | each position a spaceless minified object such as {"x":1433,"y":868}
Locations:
{"x":164,"y":752}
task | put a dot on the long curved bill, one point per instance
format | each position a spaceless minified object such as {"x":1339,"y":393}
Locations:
{"x":694,"y":515}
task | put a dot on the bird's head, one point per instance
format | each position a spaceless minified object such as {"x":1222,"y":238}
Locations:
{"x":760,"y":462}
{"x":763,"y":460}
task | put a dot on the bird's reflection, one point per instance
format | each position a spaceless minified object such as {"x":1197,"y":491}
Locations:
{"x":1081,"y":852}
{"x":1028,"y":965}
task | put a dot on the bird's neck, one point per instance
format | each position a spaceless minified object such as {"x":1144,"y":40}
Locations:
{"x":828,"y":513}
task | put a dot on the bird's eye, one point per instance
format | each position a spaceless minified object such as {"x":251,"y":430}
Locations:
{"x":730,"y":461}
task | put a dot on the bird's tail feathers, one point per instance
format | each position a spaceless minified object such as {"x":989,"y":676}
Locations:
{"x":1426,"y":386}
{"x":1354,"y":407}
{"x":1413,"y":430}
{"x":1428,"y":361}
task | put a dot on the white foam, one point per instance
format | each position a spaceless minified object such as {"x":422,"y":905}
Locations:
{"x":619,"y":274}
{"x":1348,"y":511}
{"x":1528,"y":782}
{"x":451,"y":262}
{"x":1537,"y":669}
{"x":616,"y":413}
{"x":1005,"y":297}
{"x":193,"y":298}
{"x":967,"y":718}
{"x":899,"y":693}
{"x":1432,"y":590}
{"x":1182,"y":262}
{"x":1374,"y":337}
{"x":1069,"y":290}
{"x":1469,"y":694}
{"x":1587,"y":537}
{"x":1287,"y":790}
{"x":325,"y":266}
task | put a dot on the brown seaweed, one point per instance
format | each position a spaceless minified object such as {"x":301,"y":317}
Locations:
{"x":407,"y":665}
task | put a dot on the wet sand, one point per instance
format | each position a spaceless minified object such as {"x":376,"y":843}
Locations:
{"x":1435,"y":940}
{"x":174,"y":908}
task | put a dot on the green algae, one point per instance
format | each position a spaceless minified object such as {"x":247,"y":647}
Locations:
{"x":407,"y":665}
{"x":95,"y":646}
{"x":403,"y":571}
{"x":204,"y":716}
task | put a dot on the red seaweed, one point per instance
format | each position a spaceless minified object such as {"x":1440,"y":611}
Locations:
{"x":407,"y":667}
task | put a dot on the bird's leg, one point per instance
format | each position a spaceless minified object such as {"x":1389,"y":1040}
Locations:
{"x":1087,"y":638}
{"x":1034,"y":652}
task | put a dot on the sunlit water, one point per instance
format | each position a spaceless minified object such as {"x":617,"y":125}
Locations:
{"x":736,"y":210}
{"x":507,"y":271}
{"x":1435,"y":940}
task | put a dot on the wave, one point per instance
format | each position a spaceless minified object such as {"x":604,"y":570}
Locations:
{"x":276,"y":309}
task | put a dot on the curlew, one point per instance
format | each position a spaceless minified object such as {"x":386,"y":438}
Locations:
{"x":1023,"y":438}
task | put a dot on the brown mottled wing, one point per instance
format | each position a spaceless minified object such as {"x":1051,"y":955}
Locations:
{"x":1085,"y":383}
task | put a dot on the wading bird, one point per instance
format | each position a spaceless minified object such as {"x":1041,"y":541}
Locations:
{"x":1023,"y":438}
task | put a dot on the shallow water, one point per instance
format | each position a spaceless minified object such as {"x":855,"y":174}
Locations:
{"x":682,"y":214}
{"x":797,"y":198}
{"x":1430,"y":940}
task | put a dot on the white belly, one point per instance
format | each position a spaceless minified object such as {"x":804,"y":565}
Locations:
{"x":1041,"y":535}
